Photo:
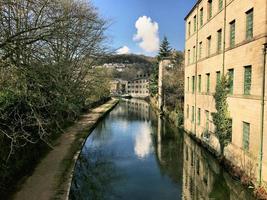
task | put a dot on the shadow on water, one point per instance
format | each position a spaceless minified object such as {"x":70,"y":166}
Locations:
{"x":135,"y":154}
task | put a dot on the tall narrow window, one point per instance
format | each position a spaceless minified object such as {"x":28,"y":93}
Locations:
{"x":187,"y":84}
{"x":249,"y":25}
{"x":187,"y":111}
{"x":232,"y":34}
{"x":231,"y":80}
{"x":208,"y":45}
{"x":208,"y":83}
{"x":193,"y":84}
{"x":194,"y":54}
{"x":193,"y":113}
{"x":199,"y":116}
{"x":246,"y":133}
{"x":189,"y":28}
{"x":207,"y":119}
{"x":220,"y":5}
{"x":200,"y":50}
{"x":247,"y":80}
{"x":188,"y":57}
{"x":219,"y":40}
{"x":218,"y":77}
{"x":199,"y":83}
{"x":209,"y":9}
{"x":201,"y":17}
{"x":195,"y":23}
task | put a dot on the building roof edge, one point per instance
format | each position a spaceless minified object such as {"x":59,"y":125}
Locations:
{"x":198,"y":1}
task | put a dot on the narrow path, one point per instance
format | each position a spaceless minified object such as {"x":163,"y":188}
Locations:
{"x":51,"y":178}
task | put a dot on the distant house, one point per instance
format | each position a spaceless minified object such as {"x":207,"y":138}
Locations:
{"x":118,"y":86}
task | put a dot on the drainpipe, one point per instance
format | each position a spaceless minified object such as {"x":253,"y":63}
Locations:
{"x":195,"y":86}
{"x":262,"y":114}
{"x":224,"y":31}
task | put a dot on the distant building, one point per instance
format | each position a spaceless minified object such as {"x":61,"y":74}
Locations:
{"x":118,"y":86}
{"x":229,"y":37}
{"x":139,"y":87}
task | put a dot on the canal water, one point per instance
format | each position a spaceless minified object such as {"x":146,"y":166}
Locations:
{"x":133,"y":154}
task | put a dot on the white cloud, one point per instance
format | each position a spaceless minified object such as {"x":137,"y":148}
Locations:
{"x":147,"y":34}
{"x":123,"y":50}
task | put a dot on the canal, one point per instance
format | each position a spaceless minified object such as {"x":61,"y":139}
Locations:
{"x":133,"y":154}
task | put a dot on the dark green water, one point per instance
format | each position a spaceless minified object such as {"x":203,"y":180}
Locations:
{"x":135,"y":155}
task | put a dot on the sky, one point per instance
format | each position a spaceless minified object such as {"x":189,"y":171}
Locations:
{"x":138,"y":26}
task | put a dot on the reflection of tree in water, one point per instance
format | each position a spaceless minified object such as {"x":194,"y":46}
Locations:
{"x":169,"y":150}
{"x":93,"y":178}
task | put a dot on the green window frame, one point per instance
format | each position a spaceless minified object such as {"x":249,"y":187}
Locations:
{"x":200,"y":50}
{"x":209,"y":45}
{"x":201,"y":17}
{"x":232,"y":34}
{"x":195,"y":23}
{"x":207,"y":119}
{"x":187,"y":111}
{"x":193,"y":84}
{"x":199,"y":116}
{"x":220,"y":5}
{"x":218,"y":77}
{"x":194,"y":54}
{"x":249,"y":24}
{"x":199,"y":83}
{"x":187,"y":84}
{"x":231,"y":81}
{"x":209,"y":9}
{"x":189,"y":28}
{"x":219,"y":40}
{"x":193,"y":113}
{"x":246,"y":134}
{"x":247,"y":79}
{"x":208,"y":83}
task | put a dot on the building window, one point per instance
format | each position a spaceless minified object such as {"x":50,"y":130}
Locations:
{"x":209,"y":9}
{"x":187,"y":111}
{"x":194,"y":54}
{"x":200,"y":50}
{"x":218,"y":77}
{"x":207,"y":119}
{"x":187,"y":84}
{"x":231,"y":80}
{"x":195,"y":23}
{"x":220,"y":5}
{"x":208,"y":83}
{"x":189,"y":28}
{"x":247,"y":80}
{"x":199,"y":116}
{"x":249,"y":25}
{"x":199,"y":83}
{"x":219,"y":40}
{"x":201,"y":17}
{"x":193,"y":113}
{"x":193,"y":84}
{"x":188,"y":57}
{"x":246,"y":133}
{"x":208,"y":45}
{"x":232,"y":34}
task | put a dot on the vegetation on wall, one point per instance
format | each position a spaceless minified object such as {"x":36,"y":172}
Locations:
{"x":221,"y":118}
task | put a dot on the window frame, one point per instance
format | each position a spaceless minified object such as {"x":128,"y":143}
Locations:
{"x":247,"y":85}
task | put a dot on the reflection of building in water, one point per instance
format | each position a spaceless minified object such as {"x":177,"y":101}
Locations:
{"x":203,"y":177}
{"x":138,"y":107}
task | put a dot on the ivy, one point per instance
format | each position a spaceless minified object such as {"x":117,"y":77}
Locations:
{"x":221,"y":118}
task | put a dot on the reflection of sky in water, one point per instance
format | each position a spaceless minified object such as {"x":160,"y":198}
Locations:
{"x":143,"y":143}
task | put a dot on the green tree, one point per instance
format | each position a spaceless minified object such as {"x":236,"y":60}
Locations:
{"x":221,"y":118}
{"x":165,"y":50}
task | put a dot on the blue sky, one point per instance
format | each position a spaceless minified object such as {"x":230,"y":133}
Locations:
{"x":162,"y":17}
